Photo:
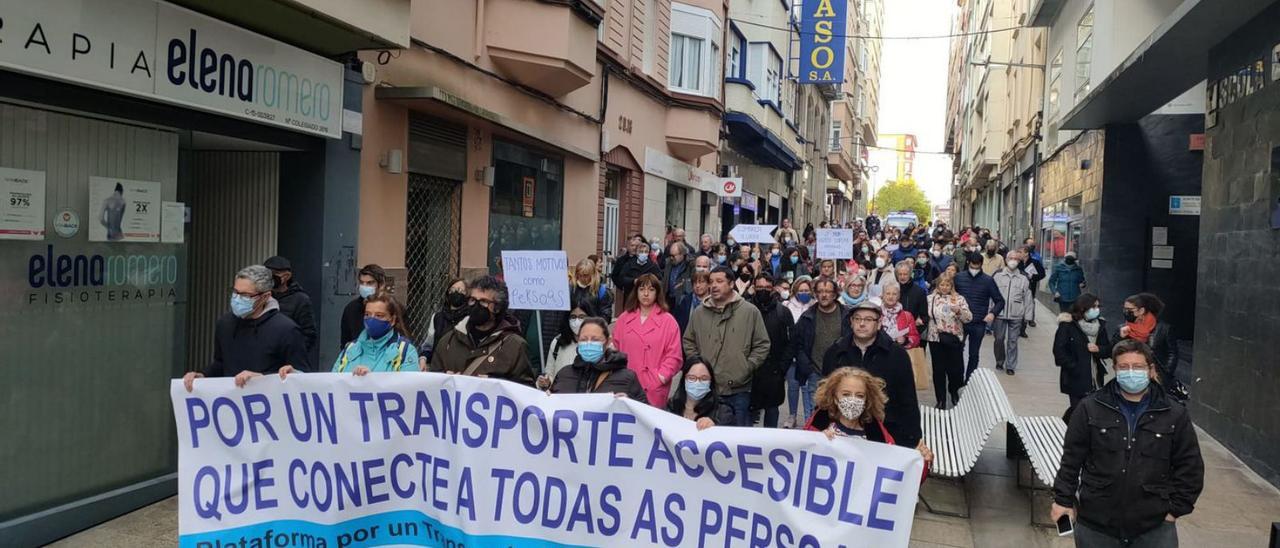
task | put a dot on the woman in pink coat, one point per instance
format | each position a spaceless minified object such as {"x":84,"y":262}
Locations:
{"x":650,"y":337}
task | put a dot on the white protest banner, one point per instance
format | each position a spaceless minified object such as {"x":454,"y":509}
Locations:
{"x":751,"y":234}
{"x":537,"y":280}
{"x":835,"y":243}
{"x":326,"y":459}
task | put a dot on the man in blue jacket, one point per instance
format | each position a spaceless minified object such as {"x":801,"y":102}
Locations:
{"x":985,"y":302}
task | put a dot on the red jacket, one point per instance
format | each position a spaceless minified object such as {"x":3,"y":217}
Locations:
{"x":907,"y":322}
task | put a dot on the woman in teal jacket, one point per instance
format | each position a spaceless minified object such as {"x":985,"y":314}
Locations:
{"x":383,"y":346}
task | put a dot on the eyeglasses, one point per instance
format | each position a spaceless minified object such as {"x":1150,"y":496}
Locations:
{"x":696,"y":378}
{"x":865,"y":319}
{"x":1132,"y":367}
{"x":247,"y":295}
{"x":487,"y":303}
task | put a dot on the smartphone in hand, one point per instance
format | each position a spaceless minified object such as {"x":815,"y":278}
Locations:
{"x":1064,"y":526}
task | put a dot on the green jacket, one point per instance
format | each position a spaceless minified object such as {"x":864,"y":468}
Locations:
{"x":390,"y":353}
{"x":504,"y":354}
{"x":731,"y":338}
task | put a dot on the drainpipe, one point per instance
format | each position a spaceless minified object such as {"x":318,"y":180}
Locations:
{"x":479,"y":40}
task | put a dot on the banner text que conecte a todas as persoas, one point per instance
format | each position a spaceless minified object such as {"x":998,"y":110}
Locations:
{"x":432,"y":459}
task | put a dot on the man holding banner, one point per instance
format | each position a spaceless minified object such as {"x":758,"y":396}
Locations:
{"x":487,"y":343}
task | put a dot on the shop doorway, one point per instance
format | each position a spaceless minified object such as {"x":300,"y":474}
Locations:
{"x":432,"y":245}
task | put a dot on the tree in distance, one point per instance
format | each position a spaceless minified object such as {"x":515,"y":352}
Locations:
{"x":901,"y":196}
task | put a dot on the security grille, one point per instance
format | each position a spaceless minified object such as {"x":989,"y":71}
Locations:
{"x":432,"y":245}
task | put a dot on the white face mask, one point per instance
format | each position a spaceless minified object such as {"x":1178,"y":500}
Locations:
{"x":1013,"y":265}
{"x":574,"y":325}
{"x":851,"y":407}
{"x":975,"y":271}
{"x":880,"y":262}
{"x":784,"y":294}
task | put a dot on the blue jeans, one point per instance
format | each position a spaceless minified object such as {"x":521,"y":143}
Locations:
{"x":794,"y":389}
{"x":741,"y":404}
{"x":1164,"y":535}
{"x":974,"y":332}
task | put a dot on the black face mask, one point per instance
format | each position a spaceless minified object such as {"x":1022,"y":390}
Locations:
{"x":1130,"y":317}
{"x":455,"y":300}
{"x":1070,"y":260}
{"x":479,"y":315}
{"x":762,"y":298}
{"x":744,"y":276}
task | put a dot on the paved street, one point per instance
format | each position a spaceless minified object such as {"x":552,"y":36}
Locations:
{"x":1236,"y":509}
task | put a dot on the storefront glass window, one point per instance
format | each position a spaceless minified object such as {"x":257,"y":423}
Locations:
{"x":676,"y":200}
{"x":526,"y":201}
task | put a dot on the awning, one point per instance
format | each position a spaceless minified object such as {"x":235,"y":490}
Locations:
{"x":759,"y":144}
{"x":1166,"y":64}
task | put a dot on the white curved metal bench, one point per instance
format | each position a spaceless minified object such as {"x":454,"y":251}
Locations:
{"x":957,"y":435}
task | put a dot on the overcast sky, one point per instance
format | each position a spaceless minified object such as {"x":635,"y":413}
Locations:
{"x":913,"y":90}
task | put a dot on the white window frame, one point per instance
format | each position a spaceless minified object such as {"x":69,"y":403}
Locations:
{"x":736,"y":62}
{"x":836,"y":145}
{"x":1084,"y":54}
{"x":702,"y":26}
{"x":1055,"y":85}
{"x":764,"y":69}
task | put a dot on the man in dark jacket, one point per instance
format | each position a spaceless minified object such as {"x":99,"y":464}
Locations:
{"x":370,"y":281}
{"x":1131,"y":463}
{"x":254,"y":338}
{"x":985,"y":302}
{"x":872,"y":224}
{"x":870,"y":348}
{"x":1033,"y":267}
{"x":294,"y":302}
{"x":768,"y":387}
{"x":914,"y":299}
{"x":487,"y":343}
{"x":635,"y":263}
{"x":815,"y":334}
{"x":676,"y":273}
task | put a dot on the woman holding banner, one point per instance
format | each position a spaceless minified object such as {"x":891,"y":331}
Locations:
{"x":695,"y":397}
{"x":598,"y":369}
{"x":383,"y":346}
{"x":650,"y":337}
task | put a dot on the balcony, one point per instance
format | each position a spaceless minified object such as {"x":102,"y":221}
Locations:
{"x":548,"y":46}
{"x":840,"y":163}
{"x":327,"y":27}
{"x":692,"y":134}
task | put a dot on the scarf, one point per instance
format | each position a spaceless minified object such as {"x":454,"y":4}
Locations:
{"x":1090,"y":330}
{"x":889,"y":320}
{"x":853,"y":301}
{"x":1141,"y":330}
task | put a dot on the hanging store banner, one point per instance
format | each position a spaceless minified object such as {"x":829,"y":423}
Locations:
{"x":427,"y":459}
{"x":822,"y":39}
{"x":162,"y":52}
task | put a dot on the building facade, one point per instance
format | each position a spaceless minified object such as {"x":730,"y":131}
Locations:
{"x":1221,"y":230}
{"x":150,"y":181}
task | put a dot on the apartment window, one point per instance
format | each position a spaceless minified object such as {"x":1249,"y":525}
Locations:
{"x":764,"y":69}
{"x":694,"y":51}
{"x":1055,"y":84}
{"x":862,"y":101}
{"x":835,"y":136}
{"x":1084,"y":53}
{"x":863,"y":59}
{"x":737,"y":54}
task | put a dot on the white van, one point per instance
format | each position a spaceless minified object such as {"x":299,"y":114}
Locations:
{"x":901,"y":219}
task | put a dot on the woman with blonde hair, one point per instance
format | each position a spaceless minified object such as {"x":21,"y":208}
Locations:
{"x":850,"y":403}
{"x":588,"y":285}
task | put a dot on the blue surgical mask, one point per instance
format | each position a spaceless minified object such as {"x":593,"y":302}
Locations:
{"x":1092,"y":314}
{"x":241,"y":305}
{"x":375,"y":328}
{"x":804,"y":298}
{"x":795,"y":259}
{"x":367,"y":291}
{"x":591,"y":351}
{"x":642,"y":258}
{"x":1133,"y":381}
{"x":697,"y":389}
{"x":721,"y":259}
